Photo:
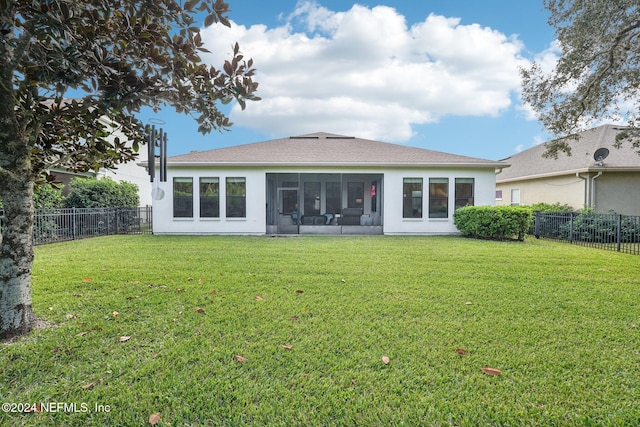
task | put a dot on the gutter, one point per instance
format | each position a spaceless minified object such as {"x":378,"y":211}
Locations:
{"x":331,"y":164}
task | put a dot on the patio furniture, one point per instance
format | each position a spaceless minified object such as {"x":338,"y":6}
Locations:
{"x":351,"y":216}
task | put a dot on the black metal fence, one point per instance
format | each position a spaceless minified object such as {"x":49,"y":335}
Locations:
{"x":606,"y":231}
{"x":59,"y":225}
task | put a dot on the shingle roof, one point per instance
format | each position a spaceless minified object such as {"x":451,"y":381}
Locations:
{"x":327,"y":149}
{"x":531,"y":164}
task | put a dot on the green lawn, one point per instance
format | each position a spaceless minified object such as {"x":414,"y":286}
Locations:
{"x":311,"y":319}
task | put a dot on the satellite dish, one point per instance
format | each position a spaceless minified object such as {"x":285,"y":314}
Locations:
{"x":600,"y":154}
{"x":157,"y":193}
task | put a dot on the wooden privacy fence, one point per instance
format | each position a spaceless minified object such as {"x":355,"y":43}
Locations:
{"x":606,"y":231}
{"x":58,"y":225}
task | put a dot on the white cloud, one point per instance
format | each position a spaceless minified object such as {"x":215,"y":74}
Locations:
{"x":364,"y":72}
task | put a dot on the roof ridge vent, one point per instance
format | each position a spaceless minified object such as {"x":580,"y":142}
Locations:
{"x":304,"y":137}
{"x":341,"y":137}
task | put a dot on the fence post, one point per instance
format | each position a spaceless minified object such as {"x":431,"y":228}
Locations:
{"x":536,"y":219}
{"x":571,"y":228}
{"x":117,"y":230}
{"x":73,"y":223}
{"x":619,"y":233}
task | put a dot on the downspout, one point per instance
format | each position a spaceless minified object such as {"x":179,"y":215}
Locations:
{"x":593,"y":188}
{"x":586,"y":189}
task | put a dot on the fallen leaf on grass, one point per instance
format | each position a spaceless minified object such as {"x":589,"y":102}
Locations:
{"x":299,"y":291}
{"x":87,"y":279}
{"x":468,"y":303}
{"x":199,"y":310}
{"x":154,"y":418}
{"x":71,"y":316}
{"x":115,"y":314}
{"x":179,"y":290}
{"x":33,"y":408}
{"x":287,"y":347}
{"x":491,"y":371}
{"x":213,"y":292}
{"x":201,"y":281}
{"x":240,"y":359}
{"x":259,"y":298}
{"x":81,"y":334}
{"x":386,"y":360}
{"x":135,"y":282}
{"x":294,"y":318}
{"x":461,"y":351}
{"x":124,"y":338}
{"x":88,"y":386}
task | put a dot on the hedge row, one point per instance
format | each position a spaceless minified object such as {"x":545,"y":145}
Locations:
{"x":493,"y":222}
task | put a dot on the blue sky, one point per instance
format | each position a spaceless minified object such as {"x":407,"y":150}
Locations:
{"x":436,"y":74}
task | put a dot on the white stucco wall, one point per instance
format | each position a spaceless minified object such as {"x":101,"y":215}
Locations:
{"x":254,"y":223}
{"x":256,"y":199}
{"x":394,"y":223}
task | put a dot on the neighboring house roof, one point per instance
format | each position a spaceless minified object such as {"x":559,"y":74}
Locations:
{"x":327,"y":149}
{"x":531,"y":164}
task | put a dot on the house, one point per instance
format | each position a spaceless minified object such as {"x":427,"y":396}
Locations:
{"x":129,"y":171}
{"x":596,"y":175}
{"x":319,"y":183}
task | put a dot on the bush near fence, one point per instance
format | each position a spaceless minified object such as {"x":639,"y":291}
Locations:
{"x":493,"y":222}
{"x":589,"y":228}
{"x":58,"y":225}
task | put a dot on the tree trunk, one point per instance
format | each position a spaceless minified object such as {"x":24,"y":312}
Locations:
{"x":16,"y":258}
{"x":16,"y":193}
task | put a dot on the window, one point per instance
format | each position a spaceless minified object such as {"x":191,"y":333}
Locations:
{"x":412,"y":198}
{"x":236,"y":197}
{"x":464,"y":192}
{"x":210,"y":197}
{"x":498,"y":194}
{"x":355,"y":194}
{"x":312,"y":198}
{"x":183,"y":197}
{"x":438,"y":197}
{"x":334,"y":196}
{"x":515,"y":197}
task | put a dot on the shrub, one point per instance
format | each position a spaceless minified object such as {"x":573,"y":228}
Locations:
{"x":547,"y":207}
{"x":47,"y":197}
{"x":493,"y":222}
{"x":103,"y":193}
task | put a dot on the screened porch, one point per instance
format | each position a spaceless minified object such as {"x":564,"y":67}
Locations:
{"x":324,"y":203}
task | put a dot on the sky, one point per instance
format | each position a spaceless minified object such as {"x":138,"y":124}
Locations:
{"x":436,"y":74}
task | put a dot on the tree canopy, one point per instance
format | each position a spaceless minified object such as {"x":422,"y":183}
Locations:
{"x":597,"y":76}
{"x":121,"y":56}
{"x":73,"y":71}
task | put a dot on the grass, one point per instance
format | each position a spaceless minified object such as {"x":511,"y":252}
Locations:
{"x":560,"y":322}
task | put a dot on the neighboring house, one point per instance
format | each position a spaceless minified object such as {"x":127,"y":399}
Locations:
{"x":130,"y":171}
{"x":596,"y":175}
{"x":319,"y":183}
